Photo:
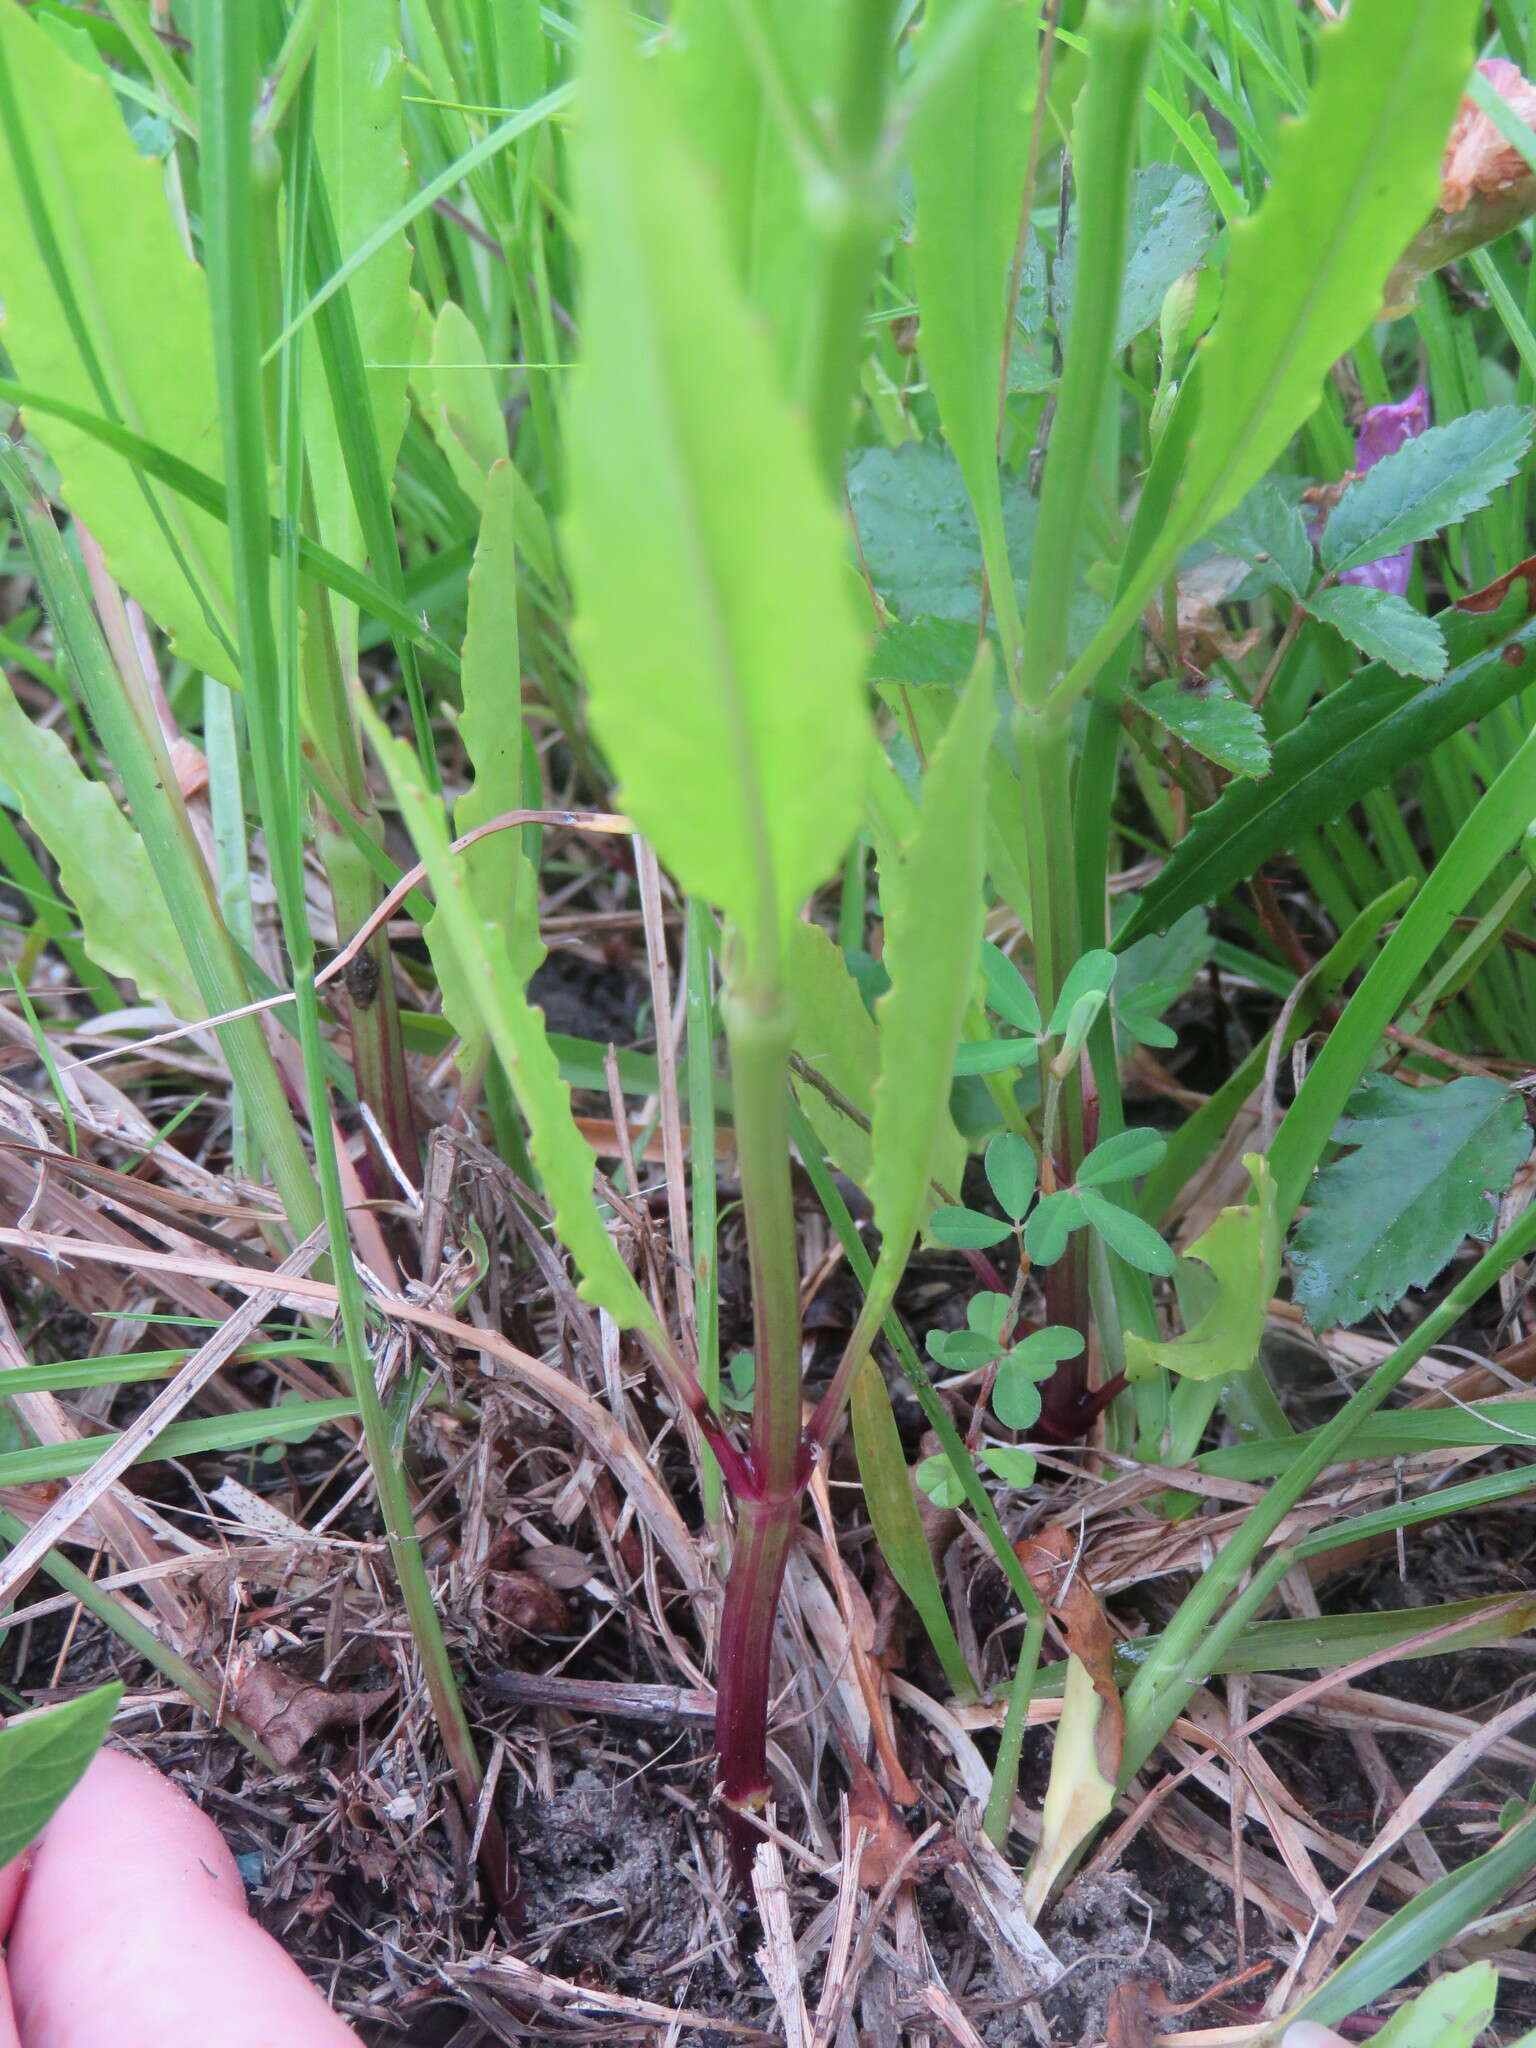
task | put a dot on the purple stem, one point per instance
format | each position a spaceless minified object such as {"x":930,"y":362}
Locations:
{"x":764,"y":1532}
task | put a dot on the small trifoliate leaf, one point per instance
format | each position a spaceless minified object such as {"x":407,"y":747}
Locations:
{"x":940,"y":1481}
{"x":986,"y":1313}
{"x":1025,"y":1369}
{"x":1091,"y":976}
{"x":1136,"y":1242}
{"x":1147,"y":1029}
{"x":1011,"y":1463}
{"x":1011,"y":1171}
{"x":1122,"y":1157}
{"x":960,"y":1350}
{"x":993,"y":1055}
{"x":1053,"y":1222}
{"x":1009,"y":995}
{"x":965,"y":1229}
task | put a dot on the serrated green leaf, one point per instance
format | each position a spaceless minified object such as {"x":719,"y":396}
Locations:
{"x":1011,"y":1171}
{"x":1351,"y":741}
{"x":1212,"y":721}
{"x":934,"y":912}
{"x":43,"y":1758}
{"x":917,"y":530}
{"x":1136,"y":1242}
{"x":1353,"y":180}
{"x":1435,"y":479}
{"x":1170,"y":228}
{"x":1053,"y":1221}
{"x":1121,"y":1157}
{"x":1425,"y":1171}
{"x":1270,"y":533}
{"x":565,"y":1160}
{"x":1385,"y":626}
{"x":965,"y":1229}
{"x":1240,"y":1252}
{"x":735,"y":719}
{"x":104,"y":869}
{"x":500,"y":878}
{"x":1009,"y":995}
{"x":118,"y":253}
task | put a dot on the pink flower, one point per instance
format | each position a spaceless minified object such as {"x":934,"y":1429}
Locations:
{"x":1478,"y":162}
{"x":1382,"y":432}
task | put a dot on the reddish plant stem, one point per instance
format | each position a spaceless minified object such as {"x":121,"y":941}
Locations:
{"x":764,"y":1531}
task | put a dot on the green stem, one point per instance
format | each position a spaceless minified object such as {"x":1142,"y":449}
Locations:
{"x":758,"y":1035}
{"x":1121,"y":34}
{"x":998,"y":1817}
{"x":757,"y":1032}
{"x":704,"y":1179}
{"x":838,"y":290}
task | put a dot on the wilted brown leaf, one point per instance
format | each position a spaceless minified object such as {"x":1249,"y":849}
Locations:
{"x":288,"y":1712}
{"x":1049,"y":1559}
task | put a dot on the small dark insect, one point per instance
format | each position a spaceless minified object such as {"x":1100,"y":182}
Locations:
{"x":362,"y":978}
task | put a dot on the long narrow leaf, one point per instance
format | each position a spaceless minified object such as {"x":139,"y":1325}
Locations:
{"x":714,"y":612}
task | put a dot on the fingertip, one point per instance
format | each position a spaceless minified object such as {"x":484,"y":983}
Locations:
{"x":132,"y":1928}
{"x":1308,"y":2034}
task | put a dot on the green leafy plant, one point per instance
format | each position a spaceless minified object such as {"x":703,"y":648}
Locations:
{"x":899,"y":469}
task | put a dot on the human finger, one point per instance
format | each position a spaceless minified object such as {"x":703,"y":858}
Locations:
{"x":132,"y":1928}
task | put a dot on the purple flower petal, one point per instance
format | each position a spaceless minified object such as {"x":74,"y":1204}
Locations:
{"x":1382,"y":432}
{"x":1386,"y":427}
{"x":1388,"y":572}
